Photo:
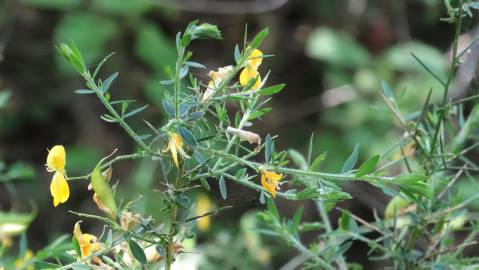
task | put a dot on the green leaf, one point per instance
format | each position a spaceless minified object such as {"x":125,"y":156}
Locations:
{"x":272,"y":89}
{"x":195,"y":115}
{"x":268,"y":148}
{"x":169,"y":108}
{"x":347,"y":223}
{"x":318,"y":161}
{"x":205,"y":184}
{"x":335,"y":196}
{"x":368,"y":166}
{"x":187,"y":136}
{"x":237,"y":54}
{"x":388,"y":92}
{"x":307,"y":193}
{"x":351,"y":161}
{"x":204,"y":30}
{"x":272,"y":208}
{"x":84,"y":91}
{"x":413,"y":184}
{"x":45,"y":265}
{"x":259,"y":113}
{"x":336,"y":48}
{"x":298,"y":159}
{"x":222,"y":185}
{"x":135,"y":111}
{"x":102,"y":189}
{"x":137,"y":251}
{"x":88,"y":31}
{"x":105,"y":86}
{"x":76,"y":247}
{"x":297,"y":218}
{"x":258,"y":39}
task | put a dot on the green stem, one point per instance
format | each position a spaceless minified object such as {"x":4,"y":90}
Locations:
{"x":121,"y":121}
{"x":177,"y":82}
{"x":173,"y":216}
{"x":449,"y":79}
{"x":326,"y":176}
{"x":315,"y":257}
{"x":109,"y":163}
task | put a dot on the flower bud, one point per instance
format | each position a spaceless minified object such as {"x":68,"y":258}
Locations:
{"x":245,"y":135}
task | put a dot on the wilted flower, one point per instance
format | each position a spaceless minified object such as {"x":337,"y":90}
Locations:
{"x":203,"y":205}
{"x":270,"y":181}
{"x":217,"y":78}
{"x":245,"y":135}
{"x":175,"y":145}
{"x":129,"y":220}
{"x":56,"y":161}
{"x":87,"y":242}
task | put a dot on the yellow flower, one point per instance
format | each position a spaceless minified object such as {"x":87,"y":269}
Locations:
{"x":175,"y":145}
{"x":87,"y":242}
{"x":203,"y":205}
{"x":24,"y":263}
{"x":270,"y":180}
{"x":59,"y":189}
{"x":255,"y":59}
{"x":251,"y":70}
{"x":248,"y":74}
{"x":56,"y":159}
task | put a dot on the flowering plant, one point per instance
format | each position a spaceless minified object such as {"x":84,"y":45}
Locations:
{"x":210,"y":137}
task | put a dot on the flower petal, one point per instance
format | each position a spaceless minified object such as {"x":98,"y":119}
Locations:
{"x":56,"y":158}
{"x":249,"y":74}
{"x":59,"y":189}
{"x":174,"y":153}
{"x":255,"y":59}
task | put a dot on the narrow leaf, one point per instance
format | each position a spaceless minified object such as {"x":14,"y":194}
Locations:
{"x":169,"y":108}
{"x":137,"y":251}
{"x":187,"y":136}
{"x":107,"y":83}
{"x":135,"y":111}
{"x":84,"y":91}
{"x":351,"y":161}
{"x":368,"y":166}
{"x":223,"y":188}
{"x":272,"y":89}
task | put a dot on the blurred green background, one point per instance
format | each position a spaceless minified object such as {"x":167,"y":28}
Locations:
{"x":332,"y":54}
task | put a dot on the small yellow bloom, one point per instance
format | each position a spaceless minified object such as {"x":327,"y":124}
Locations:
{"x":270,"y":181}
{"x":59,"y":188}
{"x":248,"y":74}
{"x":56,"y":159}
{"x":87,"y":242}
{"x":25,"y":262}
{"x":255,"y":59}
{"x":203,"y":205}
{"x":175,"y":145}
